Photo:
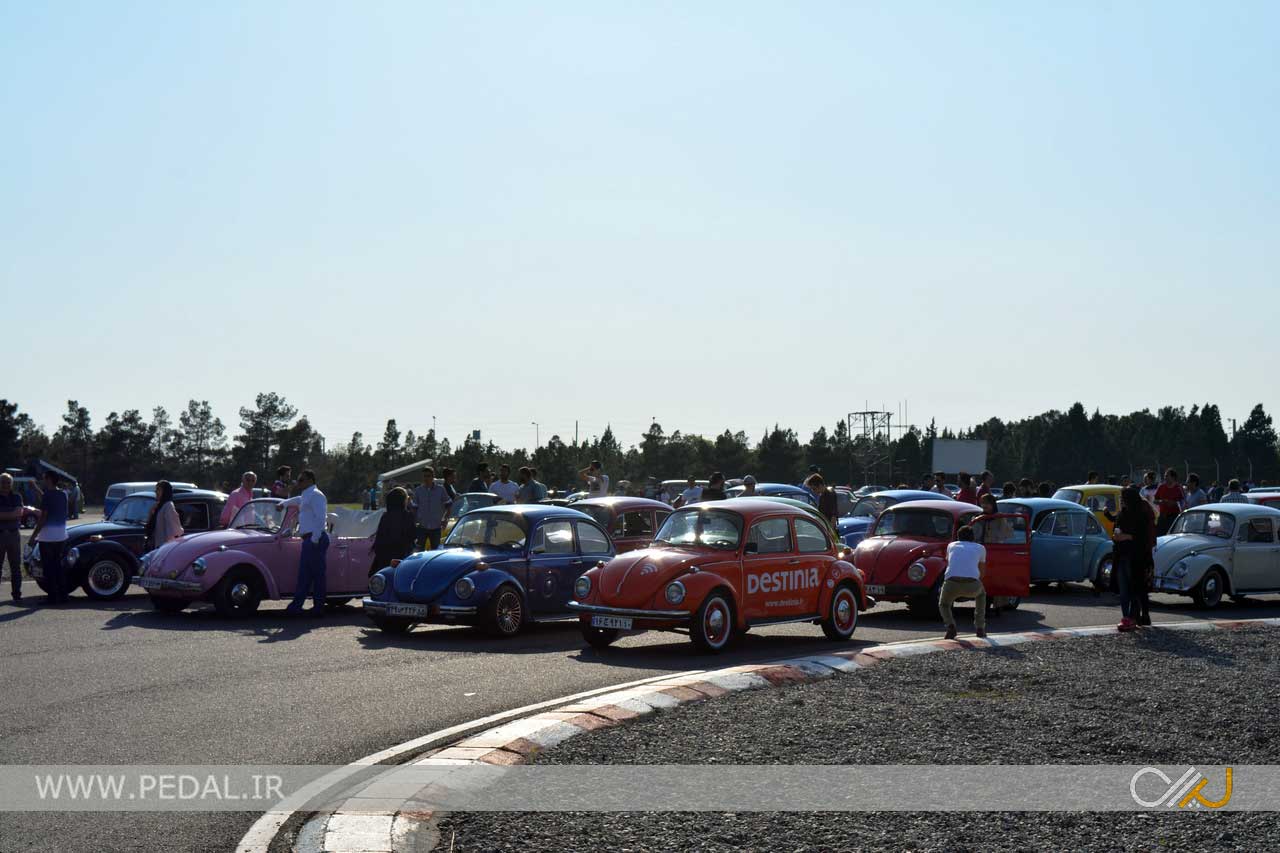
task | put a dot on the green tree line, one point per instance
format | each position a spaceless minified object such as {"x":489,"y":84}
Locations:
{"x":1056,"y":446}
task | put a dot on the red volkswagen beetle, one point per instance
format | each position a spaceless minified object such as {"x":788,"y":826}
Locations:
{"x":904,"y":556}
{"x":631,"y":522}
{"x":716,"y":569}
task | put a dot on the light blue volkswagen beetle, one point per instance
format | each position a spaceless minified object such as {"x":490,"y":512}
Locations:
{"x":1068,"y":545}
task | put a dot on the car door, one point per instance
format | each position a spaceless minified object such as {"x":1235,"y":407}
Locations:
{"x":282,"y":555}
{"x":1008,"y":543}
{"x":348,"y":560}
{"x":1057,"y":553}
{"x":593,"y":546}
{"x":768,"y":556}
{"x":552,"y":555}
{"x":1256,"y":558}
{"x":814,"y":547}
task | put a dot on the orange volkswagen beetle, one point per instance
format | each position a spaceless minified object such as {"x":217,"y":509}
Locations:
{"x":716,"y":569}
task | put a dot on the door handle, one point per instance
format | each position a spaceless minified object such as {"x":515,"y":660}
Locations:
{"x":1019,"y":553}
{"x":793,"y":562}
{"x":576,"y":563}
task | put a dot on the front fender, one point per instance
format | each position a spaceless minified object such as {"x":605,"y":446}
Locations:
{"x":1199,"y":565}
{"x":90,"y":552}
{"x":218,"y":563}
{"x":697,"y":586}
{"x":487,"y":583}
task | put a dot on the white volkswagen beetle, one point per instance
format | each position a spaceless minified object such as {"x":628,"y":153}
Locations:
{"x":1220,"y":549}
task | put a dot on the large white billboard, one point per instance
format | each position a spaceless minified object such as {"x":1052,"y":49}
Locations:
{"x":954,"y":455}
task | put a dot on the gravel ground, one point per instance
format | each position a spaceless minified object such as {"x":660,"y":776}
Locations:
{"x":1071,"y":702}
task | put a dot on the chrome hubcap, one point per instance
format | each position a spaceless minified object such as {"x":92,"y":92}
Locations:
{"x":509,"y":612}
{"x":844,"y":612}
{"x":717,"y":623}
{"x":240,"y":592}
{"x":106,"y":578}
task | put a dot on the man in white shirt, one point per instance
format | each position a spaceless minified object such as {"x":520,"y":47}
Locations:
{"x":966,"y":562}
{"x":313,"y":511}
{"x":504,"y":487}
{"x":691,"y":494}
{"x":596,"y":479}
{"x":1148,"y":490}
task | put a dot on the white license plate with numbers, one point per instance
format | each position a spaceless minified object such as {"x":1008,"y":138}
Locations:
{"x":412,"y":610}
{"x":622,"y":623}
{"x":875,"y":589}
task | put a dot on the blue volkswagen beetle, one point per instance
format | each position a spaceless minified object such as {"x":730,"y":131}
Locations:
{"x":500,"y":568}
{"x":854,"y":526}
{"x":776,"y":490}
{"x":1067,"y":543}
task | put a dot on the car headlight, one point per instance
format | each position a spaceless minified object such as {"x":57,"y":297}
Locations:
{"x":1180,"y":570}
{"x":199,"y":566}
{"x":464,"y":587}
{"x":378,"y":584}
{"x":916,"y":572}
{"x":72,"y":557}
{"x":675,"y":592}
{"x":582,"y":587}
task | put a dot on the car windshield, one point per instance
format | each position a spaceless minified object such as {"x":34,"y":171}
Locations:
{"x":601,"y":514}
{"x":701,"y":528}
{"x":1068,"y":495}
{"x":917,"y":523}
{"x":465,"y":503}
{"x":488,"y":530}
{"x":132,"y":510}
{"x":259,"y":515}
{"x":1204,"y":523}
{"x":869,"y":507}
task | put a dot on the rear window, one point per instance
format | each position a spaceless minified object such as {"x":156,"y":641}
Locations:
{"x":1069,"y":495}
{"x":601,"y":514}
{"x":921,"y":523}
{"x":115,"y":491}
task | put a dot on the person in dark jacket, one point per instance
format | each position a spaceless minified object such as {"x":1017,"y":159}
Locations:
{"x":396,"y":530}
{"x":1134,"y":538}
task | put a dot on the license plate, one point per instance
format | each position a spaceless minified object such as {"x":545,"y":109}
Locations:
{"x":622,"y":623}
{"x":875,"y":589}
{"x":149,"y":583}
{"x":418,"y":610}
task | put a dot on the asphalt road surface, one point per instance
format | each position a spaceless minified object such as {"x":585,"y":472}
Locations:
{"x":118,"y":683}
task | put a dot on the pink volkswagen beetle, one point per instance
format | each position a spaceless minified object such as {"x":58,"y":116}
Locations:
{"x":256,"y":558}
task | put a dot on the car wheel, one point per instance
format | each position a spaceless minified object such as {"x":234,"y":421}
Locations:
{"x":391,"y":625}
{"x":1209,"y":591}
{"x":842,"y":618}
{"x":926,"y":606}
{"x":106,"y":580}
{"x":1102,"y":580}
{"x":712,"y":628}
{"x":600,"y":638}
{"x":168,"y":605}
{"x":238,"y":594}
{"x":504,"y":614}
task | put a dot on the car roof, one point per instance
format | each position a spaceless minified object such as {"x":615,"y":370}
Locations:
{"x":952,"y":507}
{"x":190,"y":494}
{"x":1240,"y":509}
{"x":905,"y":495}
{"x":622,"y":503}
{"x":474,"y":494}
{"x":1039,"y":505}
{"x":750,"y":508}
{"x":532,"y":512}
{"x":1093,"y":488}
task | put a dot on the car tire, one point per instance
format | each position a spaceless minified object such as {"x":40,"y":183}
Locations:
{"x":106,"y":580}
{"x":842,"y":614}
{"x":1102,"y":578}
{"x":164,"y":604}
{"x":238,"y":594}
{"x":504,"y":612}
{"x":599,"y":638}
{"x":712,"y":626}
{"x":926,"y":606}
{"x":1208,"y":593}
{"x":392,"y":625}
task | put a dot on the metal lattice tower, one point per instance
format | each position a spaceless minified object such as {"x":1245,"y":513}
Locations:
{"x":869,"y":440}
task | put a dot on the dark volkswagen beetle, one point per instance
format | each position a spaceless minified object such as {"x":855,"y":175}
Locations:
{"x":102,"y":558}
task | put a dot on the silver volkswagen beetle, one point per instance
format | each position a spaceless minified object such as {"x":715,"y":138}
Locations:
{"x":1220,"y":549}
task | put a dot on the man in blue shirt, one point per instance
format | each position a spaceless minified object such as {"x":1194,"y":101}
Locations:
{"x":51,"y":534}
{"x":313,"y":511}
{"x":431,"y":501}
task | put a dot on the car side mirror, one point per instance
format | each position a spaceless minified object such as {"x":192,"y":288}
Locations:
{"x":751,"y":548}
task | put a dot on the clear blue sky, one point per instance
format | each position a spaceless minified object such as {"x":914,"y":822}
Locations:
{"x":719,"y":214}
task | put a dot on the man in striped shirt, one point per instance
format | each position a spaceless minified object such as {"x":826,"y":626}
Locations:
{"x":1234,"y":495}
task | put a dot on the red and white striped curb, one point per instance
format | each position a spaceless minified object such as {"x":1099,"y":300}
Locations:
{"x":387,"y":819}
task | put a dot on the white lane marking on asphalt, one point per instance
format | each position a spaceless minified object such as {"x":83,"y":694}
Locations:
{"x":258,"y":838}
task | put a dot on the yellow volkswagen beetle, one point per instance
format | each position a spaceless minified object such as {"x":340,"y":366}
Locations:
{"x":1100,"y":498}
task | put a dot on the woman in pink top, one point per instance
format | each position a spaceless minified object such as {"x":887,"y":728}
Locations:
{"x":163,"y":524}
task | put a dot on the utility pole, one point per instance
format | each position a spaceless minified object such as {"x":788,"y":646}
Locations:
{"x":575,"y":433}
{"x":537,"y":435}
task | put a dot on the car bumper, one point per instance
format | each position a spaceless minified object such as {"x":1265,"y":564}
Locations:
{"x":170,"y":585}
{"x":418,"y":612}
{"x":1171,"y":585}
{"x":639,"y":618}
